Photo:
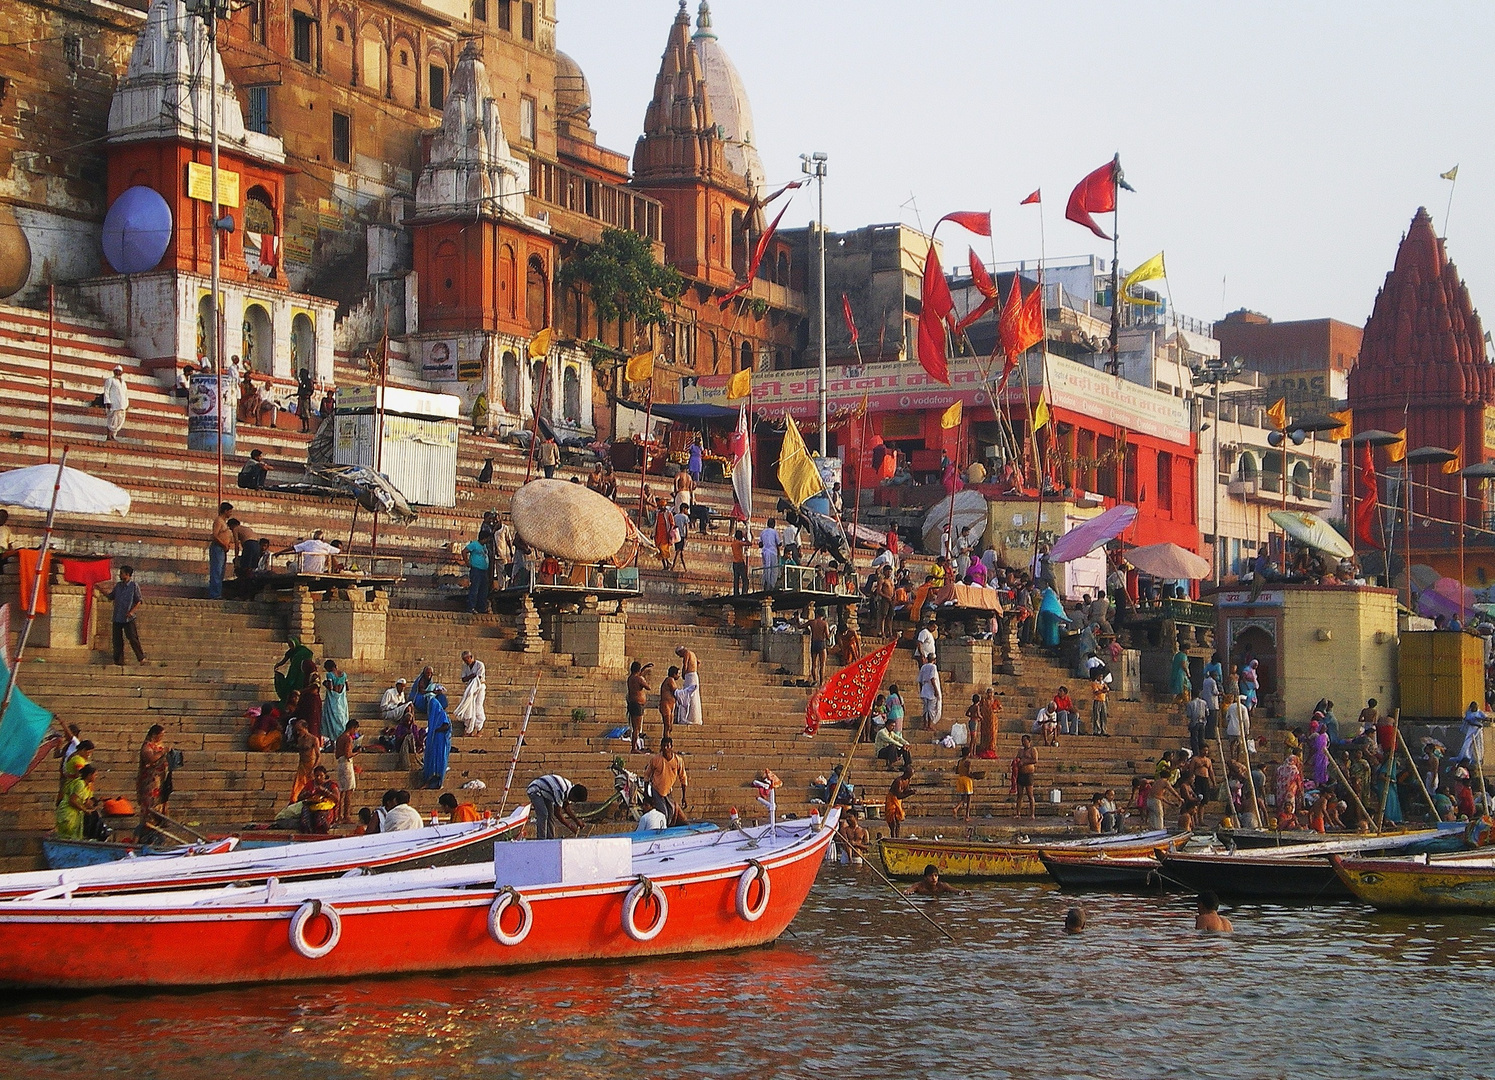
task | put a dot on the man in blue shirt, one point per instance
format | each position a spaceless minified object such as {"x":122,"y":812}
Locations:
{"x":477,"y":572}
{"x":127,"y":600}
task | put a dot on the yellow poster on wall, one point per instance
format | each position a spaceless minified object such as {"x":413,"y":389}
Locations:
{"x":200,"y":184}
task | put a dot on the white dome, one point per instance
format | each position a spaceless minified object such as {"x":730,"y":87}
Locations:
{"x":729,"y":102}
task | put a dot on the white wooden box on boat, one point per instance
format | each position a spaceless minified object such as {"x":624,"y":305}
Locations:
{"x":581,"y":861}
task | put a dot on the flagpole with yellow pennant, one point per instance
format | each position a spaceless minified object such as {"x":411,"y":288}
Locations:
{"x":797,"y":473}
{"x":949,"y":419}
{"x":640,"y":368}
{"x":1452,"y":176}
{"x":539,"y":349}
{"x":1151,"y":270}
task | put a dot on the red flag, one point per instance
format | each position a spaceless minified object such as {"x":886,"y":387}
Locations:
{"x":849,"y":693}
{"x":1096,"y":194}
{"x":1368,"y":509}
{"x":851,"y":324}
{"x":759,"y":249}
{"x":982,"y":280}
{"x":1021,"y":324}
{"x":976,"y":221}
{"x":937,"y":308}
{"x":975,"y":313}
{"x":1034,"y":198}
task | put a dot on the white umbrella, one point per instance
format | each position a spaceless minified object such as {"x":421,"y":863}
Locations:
{"x":52,"y":488}
{"x":77,"y":492}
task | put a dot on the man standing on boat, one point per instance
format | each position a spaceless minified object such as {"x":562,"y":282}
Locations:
{"x":550,"y":798}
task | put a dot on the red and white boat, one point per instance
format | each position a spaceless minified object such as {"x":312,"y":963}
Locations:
{"x":538,"y":902}
{"x":434,"y":845}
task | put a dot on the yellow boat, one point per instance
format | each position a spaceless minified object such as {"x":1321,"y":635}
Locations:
{"x":1421,"y":884}
{"x":975,"y":860}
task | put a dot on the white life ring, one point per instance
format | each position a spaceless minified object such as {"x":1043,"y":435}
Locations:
{"x":643,"y":888}
{"x":510,"y":896}
{"x":753,"y":872}
{"x":304,"y":914}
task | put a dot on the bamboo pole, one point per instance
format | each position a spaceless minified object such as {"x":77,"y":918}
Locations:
{"x":909,"y":900}
{"x":1402,"y":742}
{"x":518,"y":745}
{"x":1350,"y":788}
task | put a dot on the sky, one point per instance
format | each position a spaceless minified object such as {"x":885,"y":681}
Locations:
{"x":1279,"y":150}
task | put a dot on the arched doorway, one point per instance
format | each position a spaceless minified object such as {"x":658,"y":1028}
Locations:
{"x":539,"y":392}
{"x":509,"y":377}
{"x":1256,"y":641}
{"x":1302,"y":480}
{"x":207,"y":332}
{"x":571,"y":394}
{"x":747,"y":356}
{"x":258,"y":349}
{"x":303,"y":343}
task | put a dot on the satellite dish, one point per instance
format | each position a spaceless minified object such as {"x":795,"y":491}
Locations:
{"x":137,"y":230}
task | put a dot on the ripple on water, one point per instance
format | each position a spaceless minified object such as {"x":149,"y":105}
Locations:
{"x":862,"y":987}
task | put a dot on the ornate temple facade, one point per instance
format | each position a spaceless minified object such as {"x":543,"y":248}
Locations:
{"x":1423,"y":367}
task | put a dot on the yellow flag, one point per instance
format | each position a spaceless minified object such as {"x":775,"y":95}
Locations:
{"x":1278,"y":413}
{"x":1451,"y":174}
{"x":740,"y":385}
{"x":1040,"y":413}
{"x":951,"y":417}
{"x":639,"y":368}
{"x":1397,"y":451}
{"x":1452,"y":467}
{"x":797,"y":473}
{"x":1151,"y":270}
{"x":539,"y":345}
{"x":1345,"y":420}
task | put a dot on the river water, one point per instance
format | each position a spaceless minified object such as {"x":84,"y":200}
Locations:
{"x":860,"y":988}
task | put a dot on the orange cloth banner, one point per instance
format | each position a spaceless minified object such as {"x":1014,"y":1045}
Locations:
{"x":27,"y":558}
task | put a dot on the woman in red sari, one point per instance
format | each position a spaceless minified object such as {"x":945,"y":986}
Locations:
{"x":151,"y":774}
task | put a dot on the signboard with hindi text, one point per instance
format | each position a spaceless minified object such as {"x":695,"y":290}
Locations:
{"x":200,"y":184}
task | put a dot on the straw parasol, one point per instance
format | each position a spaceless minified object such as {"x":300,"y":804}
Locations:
{"x":1169,"y":562}
{"x":568,"y":521}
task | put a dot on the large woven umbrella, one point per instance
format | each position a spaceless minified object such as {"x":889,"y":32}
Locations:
{"x":1313,"y":531}
{"x":1089,"y":535}
{"x":1169,"y":562}
{"x":568,"y":520}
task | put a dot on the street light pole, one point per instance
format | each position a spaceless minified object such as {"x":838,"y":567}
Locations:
{"x":815,"y":165}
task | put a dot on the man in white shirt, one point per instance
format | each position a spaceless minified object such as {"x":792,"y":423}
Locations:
{"x":789,"y":541}
{"x":1237,"y":726}
{"x":397,"y":815}
{"x":931,"y":694}
{"x":313,"y":554}
{"x":884,"y":557}
{"x":652,"y":821}
{"x":116,"y":403}
{"x":474,"y":694}
{"x":395,"y":704}
{"x":768,"y":540}
{"x":924,"y":643}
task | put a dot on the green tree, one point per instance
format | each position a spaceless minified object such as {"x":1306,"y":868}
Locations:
{"x":623,"y":279}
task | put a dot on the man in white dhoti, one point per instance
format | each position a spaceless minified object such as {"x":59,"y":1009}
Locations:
{"x":1473,"y":750}
{"x":116,"y":403}
{"x":689,"y":694}
{"x":469,"y":708}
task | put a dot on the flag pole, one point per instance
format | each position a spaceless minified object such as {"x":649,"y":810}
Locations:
{"x":36,"y":590}
{"x":643,"y":469}
{"x":1453,"y":182}
{"x":1116,"y":266}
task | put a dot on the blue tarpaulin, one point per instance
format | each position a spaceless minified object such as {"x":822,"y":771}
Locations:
{"x":21,"y":732}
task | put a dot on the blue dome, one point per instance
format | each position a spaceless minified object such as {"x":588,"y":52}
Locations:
{"x":137,"y":230}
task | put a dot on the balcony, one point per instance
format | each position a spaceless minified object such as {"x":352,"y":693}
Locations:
{"x":1267,"y":488}
{"x":581,"y":206}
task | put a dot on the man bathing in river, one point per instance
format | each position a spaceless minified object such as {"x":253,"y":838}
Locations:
{"x":1209,"y":918}
{"x":930,"y":884}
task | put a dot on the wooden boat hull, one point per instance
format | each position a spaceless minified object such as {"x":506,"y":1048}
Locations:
{"x":447,"y":846}
{"x":976,"y":861}
{"x":1446,"y":838}
{"x":1102,"y":871}
{"x":156,"y":941}
{"x":1411,"y":885}
{"x":1255,"y":877}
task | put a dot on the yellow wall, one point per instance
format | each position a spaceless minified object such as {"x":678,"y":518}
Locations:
{"x":1352,"y":665}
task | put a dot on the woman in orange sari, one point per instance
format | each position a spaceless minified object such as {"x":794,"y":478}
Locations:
{"x":151,"y":773}
{"x":988,"y":709}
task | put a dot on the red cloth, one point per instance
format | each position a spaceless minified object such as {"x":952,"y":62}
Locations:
{"x":1034,"y":198}
{"x":1368,"y":509}
{"x":851,"y":324}
{"x":848,"y":694}
{"x":27,"y":558}
{"x":1096,"y":194}
{"x":937,"y":307}
{"x":87,"y":572}
{"x":976,"y":221}
{"x":1020,"y":325}
{"x":981,"y":279}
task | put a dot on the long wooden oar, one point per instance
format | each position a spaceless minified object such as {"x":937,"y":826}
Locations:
{"x":908,"y":900}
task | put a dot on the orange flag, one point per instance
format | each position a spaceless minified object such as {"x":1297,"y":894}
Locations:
{"x":1456,"y":463}
{"x":1020,"y":324}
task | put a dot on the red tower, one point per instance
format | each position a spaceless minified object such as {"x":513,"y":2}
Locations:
{"x":1423,"y":366}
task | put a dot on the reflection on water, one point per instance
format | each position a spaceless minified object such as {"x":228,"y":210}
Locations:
{"x":860,"y":988}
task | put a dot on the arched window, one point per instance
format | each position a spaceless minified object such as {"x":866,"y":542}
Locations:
{"x":404,"y":72}
{"x":571,"y":394}
{"x":507,"y":292}
{"x":260,"y":228}
{"x":206,"y":331}
{"x":737,"y":246}
{"x":781,"y":275}
{"x":539,"y":392}
{"x":340,"y":53}
{"x":371,"y":59}
{"x":1250,"y":469}
{"x":714,"y":240}
{"x":448,"y":273}
{"x":509,"y":374}
{"x":747,"y":355}
{"x":1302,"y":480}
{"x":536,"y":294}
